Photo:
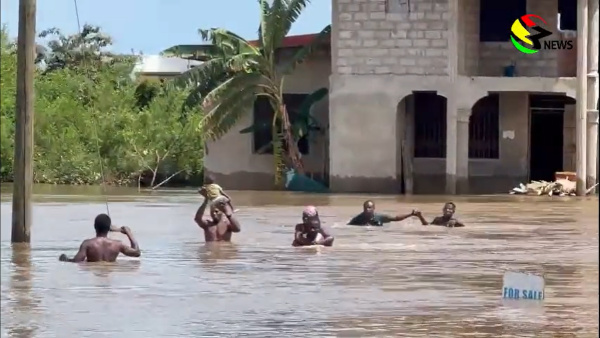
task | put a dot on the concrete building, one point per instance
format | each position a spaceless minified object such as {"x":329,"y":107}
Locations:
{"x":430,"y":96}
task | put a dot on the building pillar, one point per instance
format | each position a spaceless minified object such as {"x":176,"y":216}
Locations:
{"x":592,"y":148}
{"x":462,"y":150}
{"x":582,"y":102}
{"x":592,"y":94}
{"x":451,"y":146}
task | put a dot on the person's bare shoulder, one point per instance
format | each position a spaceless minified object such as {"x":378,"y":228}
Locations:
{"x":87,"y":242}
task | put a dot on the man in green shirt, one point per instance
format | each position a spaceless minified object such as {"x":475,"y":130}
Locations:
{"x":370,"y":217}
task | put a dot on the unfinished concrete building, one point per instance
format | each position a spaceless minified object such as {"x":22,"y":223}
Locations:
{"x":431,"y":96}
{"x":433,"y":93}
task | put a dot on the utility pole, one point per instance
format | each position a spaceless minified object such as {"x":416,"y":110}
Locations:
{"x":23,"y":160}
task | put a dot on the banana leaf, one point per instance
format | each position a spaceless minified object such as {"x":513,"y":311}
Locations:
{"x":306,"y":105}
{"x":256,"y":127}
{"x":303,"y":122}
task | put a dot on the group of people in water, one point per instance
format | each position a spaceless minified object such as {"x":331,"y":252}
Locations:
{"x":221,"y":223}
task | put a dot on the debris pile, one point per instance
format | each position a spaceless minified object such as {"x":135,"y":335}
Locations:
{"x":560,"y":187}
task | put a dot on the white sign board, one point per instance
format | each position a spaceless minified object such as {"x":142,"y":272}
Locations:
{"x":523,"y":286}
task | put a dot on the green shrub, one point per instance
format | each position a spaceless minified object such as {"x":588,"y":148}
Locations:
{"x":88,"y":121}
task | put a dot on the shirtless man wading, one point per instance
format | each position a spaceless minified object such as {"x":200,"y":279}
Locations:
{"x":101,"y":248}
{"x":221,"y":223}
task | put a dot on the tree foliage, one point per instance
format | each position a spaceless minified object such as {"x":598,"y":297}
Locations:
{"x":237,"y":72}
{"x":84,"y":49}
{"x":89,"y":121}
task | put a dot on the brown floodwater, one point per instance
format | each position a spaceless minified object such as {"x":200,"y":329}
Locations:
{"x":400,"y":280}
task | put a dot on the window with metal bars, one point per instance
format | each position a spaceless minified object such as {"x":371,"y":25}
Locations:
{"x":430,"y":125}
{"x":263,"y":115}
{"x":484,"y":128}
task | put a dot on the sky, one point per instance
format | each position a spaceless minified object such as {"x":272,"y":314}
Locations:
{"x":150,"y":26}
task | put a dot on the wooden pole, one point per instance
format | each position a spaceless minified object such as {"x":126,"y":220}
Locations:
{"x":581,"y":104}
{"x":23,"y":160}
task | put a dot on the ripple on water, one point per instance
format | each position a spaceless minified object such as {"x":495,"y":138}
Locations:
{"x":400,"y":280}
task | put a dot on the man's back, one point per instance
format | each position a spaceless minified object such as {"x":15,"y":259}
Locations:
{"x":102,"y":249}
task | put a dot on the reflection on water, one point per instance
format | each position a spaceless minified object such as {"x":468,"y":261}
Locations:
{"x":106,"y":269}
{"x":401,"y":280}
{"x":20,"y":301}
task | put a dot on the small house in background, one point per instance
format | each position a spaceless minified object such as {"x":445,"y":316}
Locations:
{"x":244,"y":161}
{"x":160,"y":67}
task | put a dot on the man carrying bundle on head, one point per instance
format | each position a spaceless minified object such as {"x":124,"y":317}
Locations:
{"x":221,"y":224}
{"x":214,"y":193}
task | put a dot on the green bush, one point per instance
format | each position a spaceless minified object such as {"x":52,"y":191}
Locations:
{"x":88,"y":121}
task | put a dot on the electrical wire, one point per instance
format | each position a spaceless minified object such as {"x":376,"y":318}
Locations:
{"x":95,"y":129}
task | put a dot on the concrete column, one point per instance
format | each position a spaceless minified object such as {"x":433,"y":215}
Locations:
{"x":451,"y":146}
{"x":462,"y":150}
{"x":592,"y":148}
{"x":582,"y":102}
{"x":451,"y":113}
{"x":592,"y":94}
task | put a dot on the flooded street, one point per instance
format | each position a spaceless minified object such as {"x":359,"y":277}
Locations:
{"x":400,"y":280}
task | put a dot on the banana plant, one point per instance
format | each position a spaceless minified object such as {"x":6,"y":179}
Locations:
{"x":237,"y":71}
{"x":303,"y":124}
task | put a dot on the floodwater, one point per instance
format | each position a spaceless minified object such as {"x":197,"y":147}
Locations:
{"x":402,"y":280}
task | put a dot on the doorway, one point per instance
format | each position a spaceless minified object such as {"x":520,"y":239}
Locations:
{"x":546,"y":136}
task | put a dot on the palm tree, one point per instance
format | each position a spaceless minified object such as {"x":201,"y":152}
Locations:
{"x":237,"y":71}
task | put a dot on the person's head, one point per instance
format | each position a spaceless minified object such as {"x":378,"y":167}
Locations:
{"x":449,"y":209}
{"x":209,"y":179}
{"x":369,"y":207}
{"x":102,"y":224}
{"x":216,"y":211}
{"x":310,"y":218}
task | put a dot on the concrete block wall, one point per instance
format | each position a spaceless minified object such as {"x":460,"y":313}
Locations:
{"x":383,"y":37}
{"x":468,"y":37}
{"x":494,"y":56}
{"x":373,"y":37}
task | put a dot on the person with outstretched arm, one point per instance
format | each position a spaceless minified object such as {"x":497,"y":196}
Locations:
{"x":447,"y":219}
{"x":221,"y":223}
{"x":101,"y":248}
{"x":370,"y":217}
{"x":310,"y":231}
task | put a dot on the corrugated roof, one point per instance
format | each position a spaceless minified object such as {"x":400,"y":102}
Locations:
{"x":156,"y":64}
{"x":196,"y":51}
